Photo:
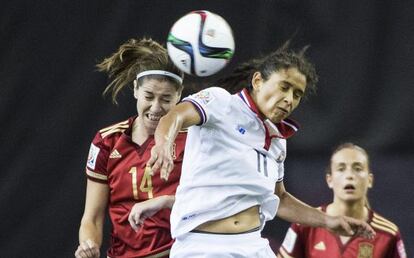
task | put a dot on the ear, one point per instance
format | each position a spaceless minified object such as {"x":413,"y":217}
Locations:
{"x":135,"y":89}
{"x":370,"y":180}
{"x":328,"y":179}
{"x":257,"y":80}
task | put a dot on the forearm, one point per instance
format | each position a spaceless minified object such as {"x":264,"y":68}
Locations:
{"x":295,"y":211}
{"x":168,"y":128}
{"x":92,"y":231}
{"x":169,"y":201}
{"x":181,"y":116}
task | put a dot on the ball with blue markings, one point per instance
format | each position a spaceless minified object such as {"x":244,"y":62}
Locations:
{"x":201,"y":43}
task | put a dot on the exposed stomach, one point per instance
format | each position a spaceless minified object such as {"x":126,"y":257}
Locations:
{"x":243,"y":221}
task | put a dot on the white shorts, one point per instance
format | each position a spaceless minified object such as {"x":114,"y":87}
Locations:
{"x":205,"y":245}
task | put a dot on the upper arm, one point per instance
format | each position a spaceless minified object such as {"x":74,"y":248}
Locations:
{"x":96,"y":201}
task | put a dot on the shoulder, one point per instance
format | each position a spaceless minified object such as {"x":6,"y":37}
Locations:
{"x":217,"y":90}
{"x":107,"y":136}
{"x":379,"y":223}
{"x":114,"y":129}
{"x":209,"y":95}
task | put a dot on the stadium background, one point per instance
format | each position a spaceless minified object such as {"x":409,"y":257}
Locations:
{"x":51,"y":104}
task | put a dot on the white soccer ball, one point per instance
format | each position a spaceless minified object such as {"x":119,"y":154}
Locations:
{"x":200,"y":43}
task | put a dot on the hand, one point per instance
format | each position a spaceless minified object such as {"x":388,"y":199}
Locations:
{"x":143,"y":210}
{"x":87,"y":249}
{"x":347,"y":226}
{"x":161,"y":158}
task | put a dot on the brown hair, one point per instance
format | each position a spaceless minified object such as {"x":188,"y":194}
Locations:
{"x":350,"y":145}
{"x":135,"y":56}
{"x":282,"y":58}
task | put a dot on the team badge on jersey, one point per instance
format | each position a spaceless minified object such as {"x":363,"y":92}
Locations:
{"x":365,"y":250}
{"x":92,"y":156}
{"x":203,"y":97}
{"x":241,"y":129}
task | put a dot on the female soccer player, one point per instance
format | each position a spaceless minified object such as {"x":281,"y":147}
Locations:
{"x":232,"y":180}
{"x":116,"y":167}
{"x":349,"y":176}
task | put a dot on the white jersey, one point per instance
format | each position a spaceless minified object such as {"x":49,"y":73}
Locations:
{"x":232,"y":161}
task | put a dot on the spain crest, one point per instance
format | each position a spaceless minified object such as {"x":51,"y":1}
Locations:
{"x":365,"y":250}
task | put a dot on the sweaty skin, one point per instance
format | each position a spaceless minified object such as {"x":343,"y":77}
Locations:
{"x":240,"y":222}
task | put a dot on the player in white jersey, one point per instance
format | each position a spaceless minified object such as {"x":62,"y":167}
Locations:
{"x":232,"y":174}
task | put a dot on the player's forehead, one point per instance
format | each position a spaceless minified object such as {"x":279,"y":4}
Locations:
{"x":349,"y":156}
{"x":158,"y":87}
{"x":290,"y":75}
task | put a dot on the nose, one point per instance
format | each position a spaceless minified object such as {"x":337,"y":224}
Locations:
{"x":349,"y":174}
{"x":155,"y":106}
{"x":288,"y":97}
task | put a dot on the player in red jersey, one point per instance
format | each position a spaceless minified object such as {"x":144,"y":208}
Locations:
{"x":117,"y":177}
{"x":349,"y":177}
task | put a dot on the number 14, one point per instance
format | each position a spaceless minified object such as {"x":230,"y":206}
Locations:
{"x":146,"y":183}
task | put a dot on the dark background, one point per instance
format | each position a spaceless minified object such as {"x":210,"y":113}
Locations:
{"x":51,"y":104}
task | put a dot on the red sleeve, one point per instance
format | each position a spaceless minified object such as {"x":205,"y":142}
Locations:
{"x":97,"y":160}
{"x":293,"y":244}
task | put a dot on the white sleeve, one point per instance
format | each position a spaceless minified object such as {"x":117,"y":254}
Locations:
{"x":210,"y":103}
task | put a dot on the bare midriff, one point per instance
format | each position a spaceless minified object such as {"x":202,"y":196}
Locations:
{"x":243,"y":221}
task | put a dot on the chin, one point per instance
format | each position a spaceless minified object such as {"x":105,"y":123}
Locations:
{"x":151,"y":126}
{"x":352,"y":200}
{"x":276,"y":120}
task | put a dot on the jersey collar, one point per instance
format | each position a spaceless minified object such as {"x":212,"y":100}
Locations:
{"x":284,"y":129}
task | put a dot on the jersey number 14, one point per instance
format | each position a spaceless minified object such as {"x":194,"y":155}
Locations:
{"x":146,"y":183}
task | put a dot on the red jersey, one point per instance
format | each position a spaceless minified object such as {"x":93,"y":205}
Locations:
{"x":114,"y":159}
{"x":303,"y":241}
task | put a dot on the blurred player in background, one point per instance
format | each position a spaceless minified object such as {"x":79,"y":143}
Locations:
{"x":232,"y":180}
{"x":349,"y":176}
{"x":116,"y":172}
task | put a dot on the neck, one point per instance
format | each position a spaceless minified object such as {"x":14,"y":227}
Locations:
{"x":355,"y":210}
{"x":139,"y":133}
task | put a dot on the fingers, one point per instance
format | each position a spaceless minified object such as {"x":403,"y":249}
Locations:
{"x":161,"y":159}
{"x":87,"y":249}
{"x":361,"y":228}
{"x":134,"y":219}
{"x":156,"y":166}
{"x":166,"y":170}
{"x":364,"y":230}
{"x":153,"y":159}
{"x":347,"y":227}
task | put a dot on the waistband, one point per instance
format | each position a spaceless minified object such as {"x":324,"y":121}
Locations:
{"x":158,"y":255}
{"x":215,"y":233}
{"x":219,"y":239}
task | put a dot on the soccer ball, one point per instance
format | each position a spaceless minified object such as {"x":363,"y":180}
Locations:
{"x":200,"y":43}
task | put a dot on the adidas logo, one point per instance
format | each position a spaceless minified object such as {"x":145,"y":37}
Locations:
{"x":320,"y":246}
{"x":115,"y":155}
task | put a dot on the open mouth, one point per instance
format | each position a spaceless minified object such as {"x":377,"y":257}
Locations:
{"x":283,"y":110}
{"x":349,"y":187}
{"x":154,"y":118}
